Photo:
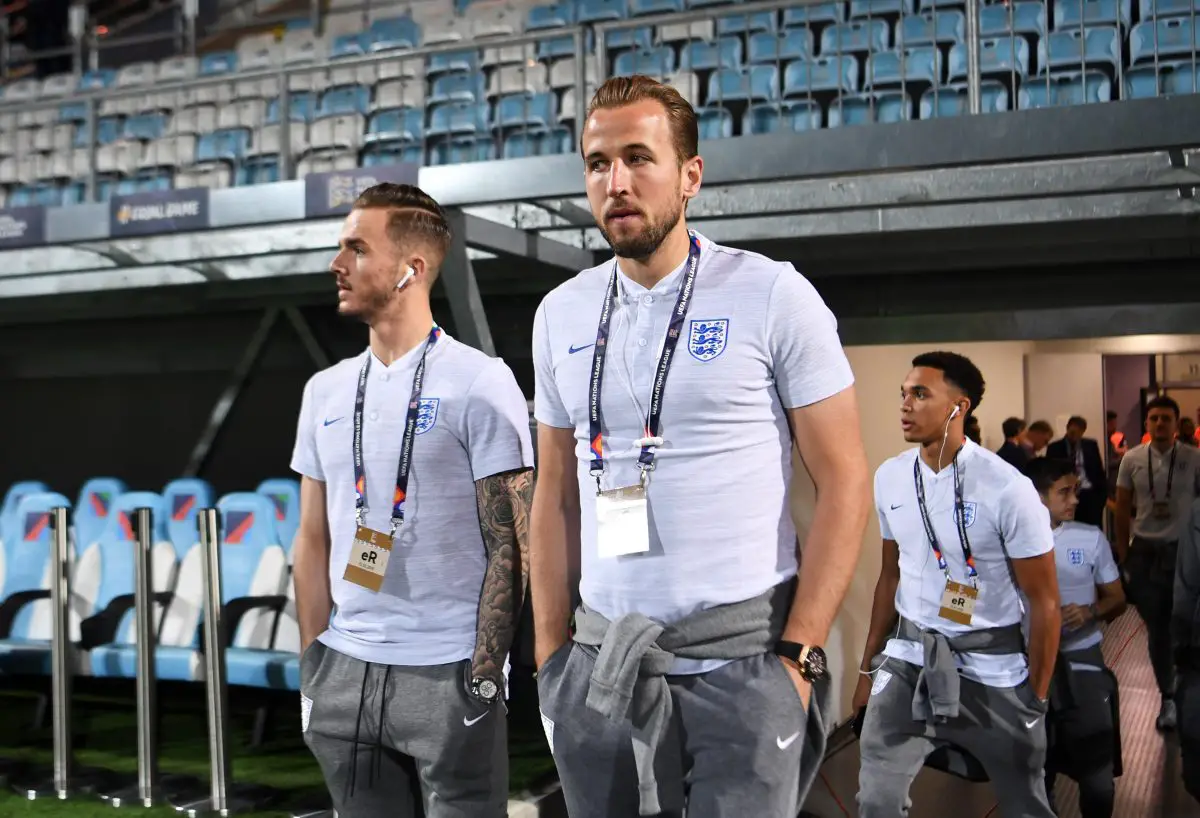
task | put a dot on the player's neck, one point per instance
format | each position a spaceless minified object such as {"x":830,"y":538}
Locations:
{"x":669,"y":256}
{"x":400,"y":330}
{"x":1161,"y":446}
{"x":932,"y":449}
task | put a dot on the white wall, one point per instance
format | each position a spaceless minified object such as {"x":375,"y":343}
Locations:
{"x":1061,"y":384}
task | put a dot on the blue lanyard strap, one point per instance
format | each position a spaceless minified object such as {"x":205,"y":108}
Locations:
{"x":960,"y":517}
{"x":654,"y":415}
{"x":1170,"y":471}
{"x":410,"y":431}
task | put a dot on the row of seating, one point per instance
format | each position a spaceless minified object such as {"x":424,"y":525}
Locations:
{"x":256,"y":530}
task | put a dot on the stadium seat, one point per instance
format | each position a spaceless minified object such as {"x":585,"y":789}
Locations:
{"x":638,"y":8}
{"x":1077,"y":13}
{"x":353,"y":99}
{"x":276,"y":667}
{"x":714,"y":123}
{"x":595,"y":11}
{"x":857,"y":36}
{"x":393,"y":33}
{"x":301,"y":108}
{"x":866,"y":109}
{"x":1150,"y":9}
{"x":554,"y":47}
{"x":465,"y":62}
{"x":216,"y":63}
{"x":951,"y":100}
{"x":144,"y":127}
{"x":755,"y":83}
{"x":92,"y":510}
{"x":802,"y":16}
{"x":228,"y":145}
{"x":392,"y":153}
{"x":701,"y":56}
{"x":790,"y":44}
{"x":400,"y":93}
{"x":517,"y":79}
{"x":1021,"y":17}
{"x":998,"y":57}
{"x":656,"y":62}
{"x":284,"y":494}
{"x":801,"y":78}
{"x":462,"y":150}
{"x":1184,"y":78}
{"x":922,"y":64}
{"x":1166,"y":38}
{"x":96,"y":80}
{"x":458,"y":88}
{"x":557,"y":15}
{"x":457,"y":118}
{"x":1097,"y":46}
{"x":183,"y":499}
{"x":534,"y":111}
{"x":875,"y":8}
{"x":350,"y":45}
{"x":12,"y":498}
{"x":793,"y":115}
{"x":25,"y":561}
{"x":637,"y":38}
{"x":747,"y":23}
{"x":1064,"y":88}
{"x":395,"y":125}
{"x":929,"y":29}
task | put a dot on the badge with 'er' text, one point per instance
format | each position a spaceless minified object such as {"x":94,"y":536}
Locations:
{"x":622,"y":522}
{"x":369,"y":555}
{"x":1161,"y":510}
{"x":958,"y":602}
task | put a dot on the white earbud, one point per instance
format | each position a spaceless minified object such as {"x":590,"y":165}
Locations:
{"x":953,"y":414}
{"x":411,"y":272}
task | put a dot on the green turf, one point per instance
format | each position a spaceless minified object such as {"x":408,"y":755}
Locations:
{"x":106,"y":739}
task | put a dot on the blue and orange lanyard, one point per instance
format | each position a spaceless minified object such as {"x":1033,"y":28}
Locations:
{"x":654,"y":415}
{"x":960,"y":517}
{"x":410,"y":431}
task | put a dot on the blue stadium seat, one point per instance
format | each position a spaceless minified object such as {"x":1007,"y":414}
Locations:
{"x":393,"y":153}
{"x":453,"y":61}
{"x":701,"y":55}
{"x":794,"y":115}
{"x":822,"y":74}
{"x":595,"y":11}
{"x":526,"y":111}
{"x":458,"y":88}
{"x":394,"y":33}
{"x":349,"y":45}
{"x":747,"y":23}
{"x":556,"y":15}
{"x":217,"y":63}
{"x":1176,"y":38}
{"x":12,"y":498}
{"x":928,"y":28}
{"x":1150,"y":9}
{"x":226,"y":145}
{"x":108,"y":130}
{"x":929,"y":5}
{"x":457,"y":118}
{"x":301,"y":108}
{"x":461,"y":151}
{"x":790,"y":44}
{"x":183,"y":499}
{"x":347,"y":99}
{"x":999,"y":56}
{"x":556,"y":47}
{"x":1064,"y":88}
{"x":1022,"y":17}
{"x":860,"y":35}
{"x":255,"y":170}
{"x":699,"y":4}
{"x":755,"y":83}
{"x":524,"y":144}
{"x":654,"y":62}
{"x":25,"y":581}
{"x":951,"y":100}
{"x":714,"y":123}
{"x":800,"y":16}
{"x":97,"y":80}
{"x":875,"y":8}
{"x":396,"y":125}
{"x":145,"y":127}
{"x":637,"y":38}
{"x":1184,"y":78}
{"x":1076,"y":13}
{"x":866,"y":109}
{"x":92,"y":509}
{"x":1100,"y":45}
{"x":1141,"y":82}
{"x":638,"y":8}
{"x":922,"y":64}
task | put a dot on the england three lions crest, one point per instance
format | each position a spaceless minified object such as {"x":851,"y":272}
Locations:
{"x":707,"y":337}
{"x":427,"y":412}
{"x":969,"y":512}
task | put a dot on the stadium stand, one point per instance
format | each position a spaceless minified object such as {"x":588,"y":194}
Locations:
{"x":437,"y":83}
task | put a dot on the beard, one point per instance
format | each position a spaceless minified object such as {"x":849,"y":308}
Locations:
{"x":644,"y":244}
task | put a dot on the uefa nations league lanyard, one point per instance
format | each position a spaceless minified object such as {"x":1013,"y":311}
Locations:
{"x":1170,"y":471}
{"x":600,"y":353}
{"x":959,"y":517}
{"x":410,"y":431}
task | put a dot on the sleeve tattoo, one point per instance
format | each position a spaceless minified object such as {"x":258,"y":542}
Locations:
{"x":504,"y":501}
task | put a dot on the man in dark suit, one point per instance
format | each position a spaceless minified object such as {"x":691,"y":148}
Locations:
{"x":1084,"y":452}
{"x":1013,"y":451}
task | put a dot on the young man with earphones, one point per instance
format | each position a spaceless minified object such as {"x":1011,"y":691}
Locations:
{"x":410,"y":560}
{"x":966,"y":540}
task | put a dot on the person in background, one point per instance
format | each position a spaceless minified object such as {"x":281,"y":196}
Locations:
{"x":1083,"y":724}
{"x":1037,"y":437}
{"x":1013,"y":451}
{"x":1084,"y":452}
{"x":1187,"y":432}
{"x":1185,"y":642}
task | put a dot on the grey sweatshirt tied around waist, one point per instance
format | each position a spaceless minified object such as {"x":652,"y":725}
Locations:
{"x":937,"y":689}
{"x":636,"y":654}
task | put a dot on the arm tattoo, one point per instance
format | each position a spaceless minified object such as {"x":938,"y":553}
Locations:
{"x":503,"y":501}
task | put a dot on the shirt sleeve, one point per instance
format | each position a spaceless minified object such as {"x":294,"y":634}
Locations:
{"x":1125,"y":473}
{"x":1024,"y":521}
{"x":807,"y":358}
{"x":548,"y":407}
{"x":885,"y":530}
{"x":1104,"y":569}
{"x":305,"y":460}
{"x":497,"y":421}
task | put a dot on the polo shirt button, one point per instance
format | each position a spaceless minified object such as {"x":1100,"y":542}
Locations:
{"x":374,"y":416}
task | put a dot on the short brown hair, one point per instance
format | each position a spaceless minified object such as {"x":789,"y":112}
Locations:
{"x":414,"y":217}
{"x":618,"y":92}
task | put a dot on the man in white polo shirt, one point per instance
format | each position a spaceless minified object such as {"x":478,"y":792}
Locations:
{"x":1084,"y":724}
{"x":410,"y":557}
{"x":965,"y":538}
{"x":1159,"y":479}
{"x":672,"y":385}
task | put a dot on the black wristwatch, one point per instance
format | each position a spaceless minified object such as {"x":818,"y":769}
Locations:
{"x":808,"y":659}
{"x":484,"y":689}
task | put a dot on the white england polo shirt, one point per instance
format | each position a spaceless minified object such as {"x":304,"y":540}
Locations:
{"x":1134,"y":474}
{"x":473,"y":423}
{"x":757,"y":340}
{"x":1083,"y":559}
{"x":1005,"y":520}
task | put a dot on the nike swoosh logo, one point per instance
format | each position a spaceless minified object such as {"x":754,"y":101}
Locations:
{"x":896,"y":506}
{"x":329,"y":422}
{"x":469,"y":722}
{"x":784,"y":743}
{"x":575,"y":349}
{"x":1029,"y":724}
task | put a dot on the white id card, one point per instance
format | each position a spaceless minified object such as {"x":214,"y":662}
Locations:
{"x":622,"y":522}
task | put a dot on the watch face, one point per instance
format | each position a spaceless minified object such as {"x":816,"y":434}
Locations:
{"x":487,"y":689}
{"x":817,"y":666}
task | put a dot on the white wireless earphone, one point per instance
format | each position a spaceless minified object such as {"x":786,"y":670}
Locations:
{"x":954,"y":414}
{"x":411,"y":272}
